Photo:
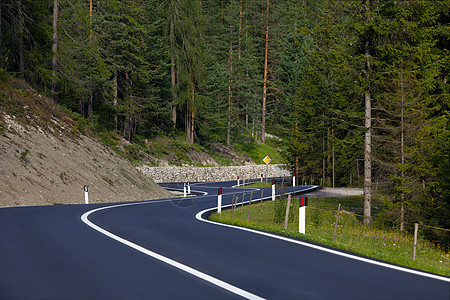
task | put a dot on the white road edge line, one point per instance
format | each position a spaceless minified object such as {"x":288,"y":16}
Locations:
{"x":201,"y":275}
{"x":198,"y":216}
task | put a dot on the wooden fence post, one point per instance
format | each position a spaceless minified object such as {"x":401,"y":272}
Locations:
{"x":249,"y":205}
{"x":232,"y":207}
{"x":287,"y":212}
{"x":416,"y":229}
{"x":337,"y":221}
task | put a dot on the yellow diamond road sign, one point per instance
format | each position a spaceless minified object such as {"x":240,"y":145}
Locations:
{"x":267,"y":160}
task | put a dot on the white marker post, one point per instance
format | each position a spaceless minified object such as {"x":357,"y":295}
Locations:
{"x":219,"y":201}
{"x":273,"y":189}
{"x":301,"y":214}
{"x":184,"y":190}
{"x":293,"y":179}
{"x":238,"y":181}
{"x":189,"y":188}
{"x":86,"y":195}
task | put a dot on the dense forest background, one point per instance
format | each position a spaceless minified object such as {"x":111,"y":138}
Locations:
{"x":357,"y":89}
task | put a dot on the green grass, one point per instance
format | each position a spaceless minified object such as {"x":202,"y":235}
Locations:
{"x":376,"y":241}
{"x":256,"y":185}
{"x":258,"y":151}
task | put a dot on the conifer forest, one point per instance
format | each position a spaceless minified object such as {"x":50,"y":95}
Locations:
{"x":357,"y":90}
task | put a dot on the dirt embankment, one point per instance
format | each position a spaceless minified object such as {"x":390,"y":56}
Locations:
{"x":45,"y":160}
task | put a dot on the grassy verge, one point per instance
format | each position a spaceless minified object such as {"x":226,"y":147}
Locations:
{"x":376,"y":241}
{"x":257,"y":151}
{"x":256,"y":185}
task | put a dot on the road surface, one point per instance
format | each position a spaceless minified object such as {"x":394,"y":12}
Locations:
{"x":166,"y":249}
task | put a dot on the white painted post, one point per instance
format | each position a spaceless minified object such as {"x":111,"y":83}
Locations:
{"x":184,"y":189}
{"x":302,"y":214}
{"x":86,"y":195}
{"x":238,"y":181}
{"x":301,"y":219}
{"x":293,"y":179}
{"x":219,"y":201}
{"x":189,"y":188}
{"x":273,"y":189}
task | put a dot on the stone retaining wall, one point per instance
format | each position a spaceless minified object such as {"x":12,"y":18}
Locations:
{"x":204,"y":174}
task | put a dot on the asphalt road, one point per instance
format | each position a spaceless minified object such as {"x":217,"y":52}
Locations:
{"x":164,"y":249}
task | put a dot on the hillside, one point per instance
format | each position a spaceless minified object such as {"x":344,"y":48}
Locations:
{"x":45,"y":159}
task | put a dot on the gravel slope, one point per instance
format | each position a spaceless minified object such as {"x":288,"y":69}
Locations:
{"x":42,"y":166}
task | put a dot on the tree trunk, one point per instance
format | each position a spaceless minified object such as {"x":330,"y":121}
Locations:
{"x":55,"y":48}
{"x":90,"y":20}
{"x":333,"y":175}
{"x":115,"y":101}
{"x":20,"y":33}
{"x":367,"y":144}
{"x":229,"y":87}
{"x":174,"y":95}
{"x":192,"y":113}
{"x":367,"y":126}
{"x":323,"y":159}
{"x":240,"y":30}
{"x":90,"y":105}
{"x":187,"y":124}
{"x":263,"y":120}
{"x":253,"y":129}
{"x":173,"y":75}
{"x":327,"y":174}
{"x":1,"y":33}
{"x":246,"y":117}
{"x":402,"y":150}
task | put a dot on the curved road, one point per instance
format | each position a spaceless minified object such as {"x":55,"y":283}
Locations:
{"x":165,"y":249}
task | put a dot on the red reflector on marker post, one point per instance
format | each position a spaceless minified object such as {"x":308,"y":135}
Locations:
{"x":302,"y":214}
{"x":303,"y":201}
{"x":219,"y":201}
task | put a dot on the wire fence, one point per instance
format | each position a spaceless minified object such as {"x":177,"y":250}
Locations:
{"x":345,"y":229}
